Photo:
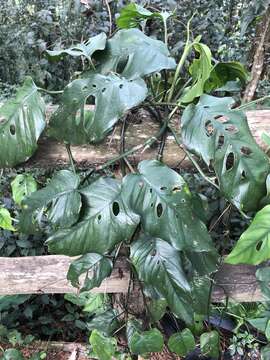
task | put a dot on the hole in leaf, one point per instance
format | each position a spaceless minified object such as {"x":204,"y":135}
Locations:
{"x":159,"y":210}
{"x":150,"y":190}
{"x":246,"y":150}
{"x":230,"y":161}
{"x":12,"y":129}
{"x":85,"y":87}
{"x":103,"y":90}
{"x":2,"y":120}
{"x":94,"y":85}
{"x":220,"y":141}
{"x":163,"y":188}
{"x":243,"y":175}
{"x":216,"y":181}
{"x":231,"y":129}
{"x":99,"y":217}
{"x":221,"y":118}
{"x":153,"y":253}
{"x":259,"y":245}
{"x":152,"y":204}
{"x":210,"y":166}
{"x":206,"y":107}
{"x":115,"y":208}
{"x":209,"y":128}
{"x":176,"y":188}
{"x":121,"y":86}
{"x":122,"y":64}
{"x":183,"y":201}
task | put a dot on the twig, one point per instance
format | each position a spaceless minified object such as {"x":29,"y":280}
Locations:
{"x":51,"y":92}
{"x":110,"y":15}
{"x":253,"y":102}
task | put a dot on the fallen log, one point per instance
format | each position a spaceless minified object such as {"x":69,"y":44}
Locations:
{"x":47,"y":274}
{"x":51,"y":153}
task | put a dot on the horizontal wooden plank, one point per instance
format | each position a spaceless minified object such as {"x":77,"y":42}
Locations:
{"x":51,"y":153}
{"x":47,"y":274}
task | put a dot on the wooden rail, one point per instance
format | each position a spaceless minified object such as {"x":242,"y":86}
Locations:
{"x":47,"y":274}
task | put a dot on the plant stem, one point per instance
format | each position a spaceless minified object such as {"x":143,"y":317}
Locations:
{"x":253,"y":102}
{"x":194,"y":162}
{"x":181,"y":62}
{"x":71,"y":159}
{"x":165,"y":31}
{"x":51,"y":92}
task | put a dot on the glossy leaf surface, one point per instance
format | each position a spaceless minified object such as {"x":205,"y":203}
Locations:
{"x":106,"y":222}
{"x":103,"y":346}
{"x":22,"y":120}
{"x":221,"y":137}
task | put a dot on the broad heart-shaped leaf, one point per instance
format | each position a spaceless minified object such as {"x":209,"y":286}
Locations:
{"x":22,"y":120}
{"x":143,"y":342}
{"x":200,"y":70}
{"x":23,"y":185}
{"x":223,"y":72}
{"x":131,"y":16}
{"x":99,"y":266}
{"x":60,"y":197}
{"x":133,"y":54}
{"x":86,"y":48}
{"x":210,"y":344}
{"x":6,"y":220}
{"x":221,"y":137}
{"x":106,"y":222}
{"x":253,"y":247}
{"x":162,"y":198}
{"x":159,"y":265}
{"x":113,"y":96}
{"x":182,"y":343}
{"x":103,"y":346}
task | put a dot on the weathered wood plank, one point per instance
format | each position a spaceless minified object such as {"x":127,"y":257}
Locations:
{"x":51,"y":153}
{"x":46,"y":274}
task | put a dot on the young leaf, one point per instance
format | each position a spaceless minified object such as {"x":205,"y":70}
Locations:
{"x":113,"y":97}
{"x":200,"y":70}
{"x":6,"y":220}
{"x":23,"y":185}
{"x":159,"y":265}
{"x":182,"y":343}
{"x":253,"y":247}
{"x":22,"y":120}
{"x":221,"y":137}
{"x":100,"y":268}
{"x":133,"y":54}
{"x":103,"y":346}
{"x":132,"y":15}
{"x":143,"y":342}
{"x":86,"y":48}
{"x":60,"y":197}
{"x":106,"y":222}
{"x":163,"y":200}
{"x":210,"y":344}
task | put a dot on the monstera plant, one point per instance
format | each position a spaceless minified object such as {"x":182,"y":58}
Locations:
{"x":150,"y":212}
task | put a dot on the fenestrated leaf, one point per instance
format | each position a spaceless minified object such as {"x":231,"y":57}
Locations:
{"x":106,"y":222}
{"x":133,"y":54}
{"x":210,"y":344}
{"x":22,"y":120}
{"x":223,"y":72}
{"x":253,"y":247}
{"x":6,"y":220}
{"x":221,"y":137}
{"x":86,"y":48}
{"x":99,"y":266}
{"x":200,"y":70}
{"x":143,"y":342}
{"x":182,"y":343}
{"x":159,"y":265}
{"x":162,"y":198}
{"x":103,"y":346}
{"x":60,"y":198}
{"x":113,"y":96}
{"x":23,"y":185}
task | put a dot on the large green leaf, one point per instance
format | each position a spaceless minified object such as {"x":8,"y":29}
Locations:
{"x":104,"y":347}
{"x":162,"y":198}
{"x":22,"y":120}
{"x":221,"y":137}
{"x":210,"y":344}
{"x":60,"y":198}
{"x":200,"y":70}
{"x":106,"y":222}
{"x":159,"y":265}
{"x":105,"y":322}
{"x":132,"y":15}
{"x":143,"y":342}
{"x":253,"y":247}
{"x":133,"y":54}
{"x":23,"y":185}
{"x":99,"y":266}
{"x":182,"y":343}
{"x":86,"y":48}
{"x":113,"y":96}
